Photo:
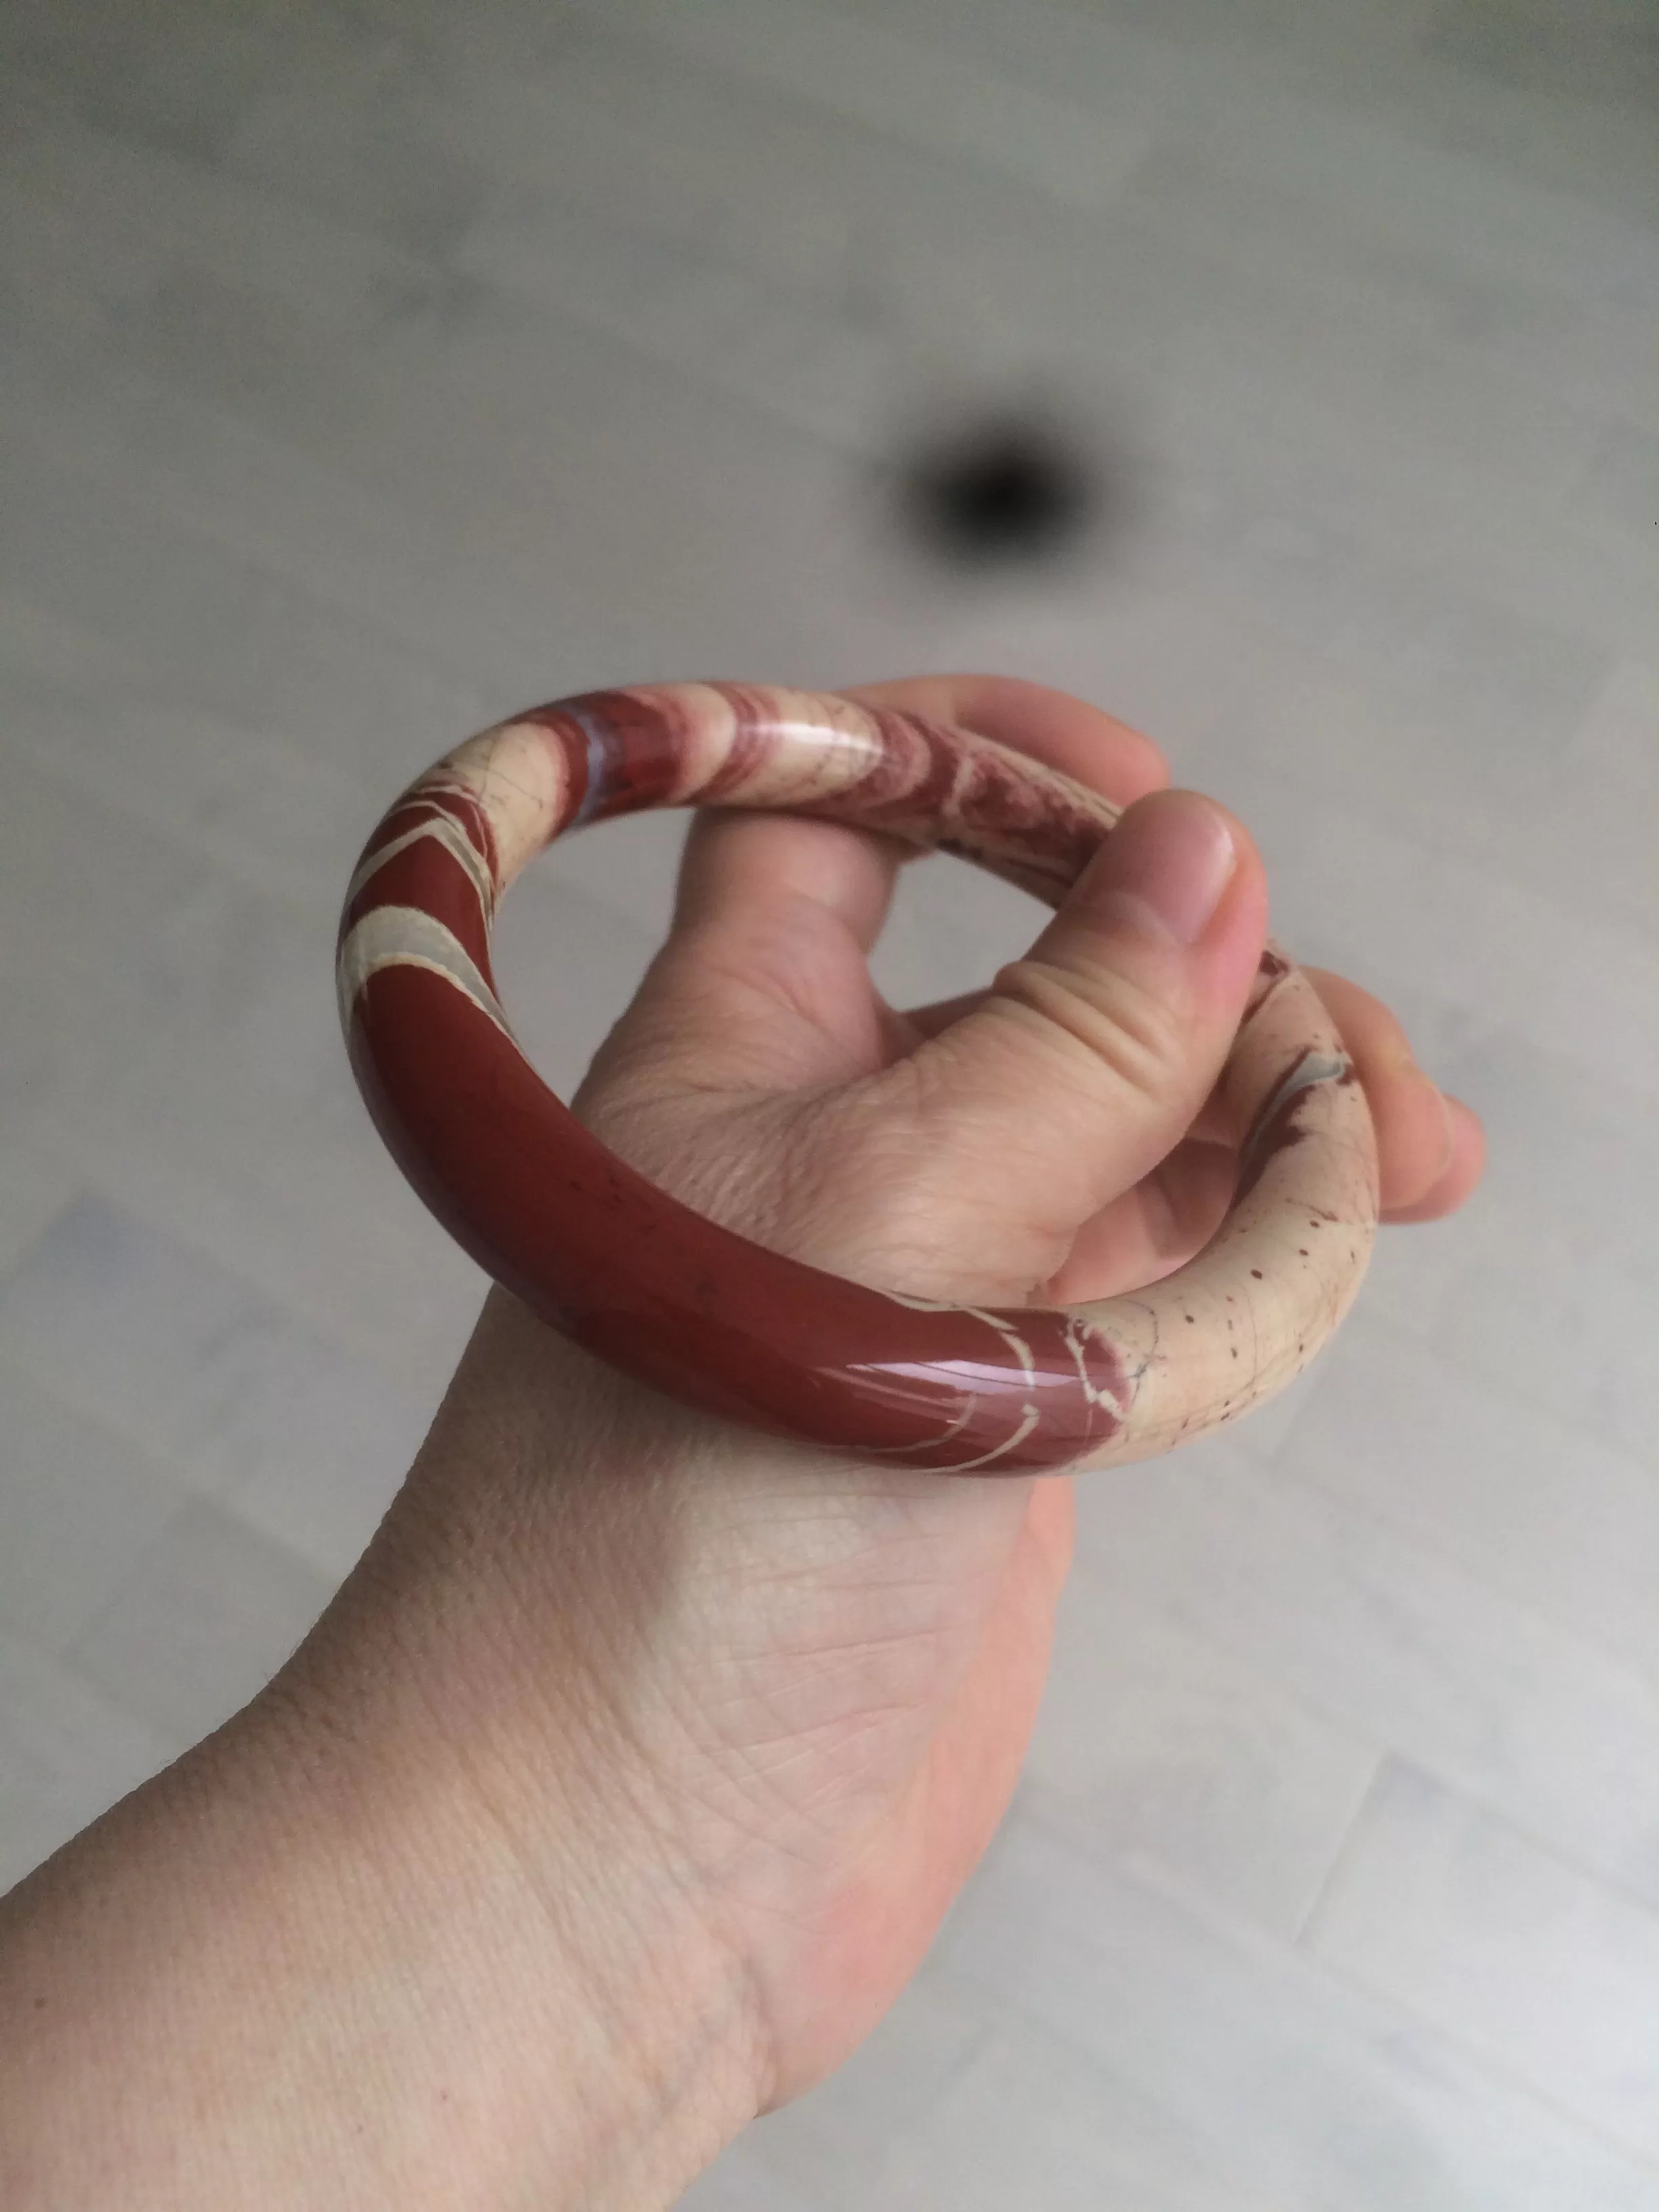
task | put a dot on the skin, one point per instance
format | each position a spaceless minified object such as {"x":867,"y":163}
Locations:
{"x":626,"y":1782}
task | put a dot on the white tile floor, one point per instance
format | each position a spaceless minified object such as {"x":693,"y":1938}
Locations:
{"x":370,"y":367}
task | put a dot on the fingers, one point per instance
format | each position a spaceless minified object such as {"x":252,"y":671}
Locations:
{"x":1458,"y":1179}
{"x":1431,"y":1150}
{"x":1413,"y":1122}
{"x":750,"y":865}
{"x":1086,"y":1062}
{"x":774,"y":913}
{"x":750,"y":868}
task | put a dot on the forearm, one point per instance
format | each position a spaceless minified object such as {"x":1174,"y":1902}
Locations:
{"x":309,"y":1966}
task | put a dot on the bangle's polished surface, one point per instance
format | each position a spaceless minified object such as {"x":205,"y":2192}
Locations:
{"x":721,"y":1323}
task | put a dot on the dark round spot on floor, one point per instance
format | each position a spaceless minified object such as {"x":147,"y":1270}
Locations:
{"x":1003,"y":490}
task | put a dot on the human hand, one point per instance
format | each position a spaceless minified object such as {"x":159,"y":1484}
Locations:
{"x":821,"y":1674}
{"x":627,"y":1781}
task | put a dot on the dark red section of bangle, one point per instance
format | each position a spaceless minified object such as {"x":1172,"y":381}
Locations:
{"x":683,"y":1304}
{"x":623,"y":753}
{"x":427,"y":875}
{"x":420,"y":805}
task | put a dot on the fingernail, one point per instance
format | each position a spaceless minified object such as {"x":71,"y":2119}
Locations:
{"x":1162,"y":871}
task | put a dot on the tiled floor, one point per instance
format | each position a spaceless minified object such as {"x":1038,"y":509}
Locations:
{"x":371,"y":367}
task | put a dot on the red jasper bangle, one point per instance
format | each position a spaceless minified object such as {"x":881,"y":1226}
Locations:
{"x":720,"y":1322}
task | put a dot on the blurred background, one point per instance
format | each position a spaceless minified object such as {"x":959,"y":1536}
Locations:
{"x":1283,"y":375}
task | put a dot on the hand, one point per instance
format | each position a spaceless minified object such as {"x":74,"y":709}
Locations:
{"x":821,"y":1675}
{"x":628,"y":1779}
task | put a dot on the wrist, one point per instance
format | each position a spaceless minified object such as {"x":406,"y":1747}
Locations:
{"x":557,"y":1973}
{"x":330,"y":1957}
{"x":569,"y":2031}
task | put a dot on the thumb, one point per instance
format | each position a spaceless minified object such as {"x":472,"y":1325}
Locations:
{"x":1090,"y":1058}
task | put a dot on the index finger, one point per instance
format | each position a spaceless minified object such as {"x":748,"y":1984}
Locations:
{"x":1082,"y":741}
{"x":737,"y":866}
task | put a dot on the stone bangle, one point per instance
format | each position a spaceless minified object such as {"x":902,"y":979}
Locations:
{"x":704,"y":1314}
